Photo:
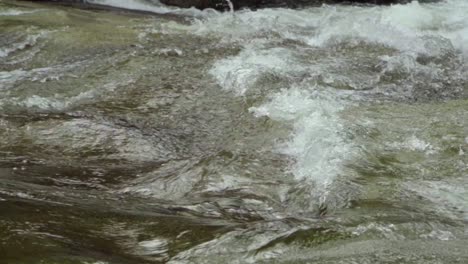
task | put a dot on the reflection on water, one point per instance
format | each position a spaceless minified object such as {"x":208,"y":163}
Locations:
{"x":334,"y":134}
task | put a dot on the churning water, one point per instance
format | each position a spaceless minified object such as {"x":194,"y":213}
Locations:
{"x":332,"y":134}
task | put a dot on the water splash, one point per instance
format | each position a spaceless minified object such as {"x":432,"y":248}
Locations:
{"x":231,"y":6}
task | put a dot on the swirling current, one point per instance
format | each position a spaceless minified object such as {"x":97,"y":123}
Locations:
{"x":330,"y":134}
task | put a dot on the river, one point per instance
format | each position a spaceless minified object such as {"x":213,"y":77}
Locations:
{"x":331,"y":134}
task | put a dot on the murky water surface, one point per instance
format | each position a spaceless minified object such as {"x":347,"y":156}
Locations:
{"x":334,"y":134}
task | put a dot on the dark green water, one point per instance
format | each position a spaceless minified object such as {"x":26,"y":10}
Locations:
{"x":336,"y":134}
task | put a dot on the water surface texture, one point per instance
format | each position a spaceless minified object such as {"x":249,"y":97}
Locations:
{"x":333,"y":134}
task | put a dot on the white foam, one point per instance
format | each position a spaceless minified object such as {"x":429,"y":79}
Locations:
{"x":409,"y":16}
{"x":63,"y":102}
{"x":36,"y":101}
{"x":239,"y":73}
{"x":439,"y":235}
{"x":154,"y":7}
{"x":246,"y":24}
{"x":16,"y":12}
{"x":30,"y":40}
{"x":403,"y":27}
{"x":317,"y":143}
{"x":153,"y":247}
{"x":9,"y":78}
{"x":414,"y":143}
{"x":387,"y":231}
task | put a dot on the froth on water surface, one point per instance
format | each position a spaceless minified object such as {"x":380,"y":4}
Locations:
{"x":333,"y":134}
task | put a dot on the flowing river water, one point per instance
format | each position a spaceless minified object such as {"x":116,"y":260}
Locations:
{"x":332,"y":134}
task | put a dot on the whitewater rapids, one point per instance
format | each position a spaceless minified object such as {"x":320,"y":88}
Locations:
{"x":332,"y":134}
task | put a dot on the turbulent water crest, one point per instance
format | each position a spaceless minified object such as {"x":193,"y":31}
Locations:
{"x":331,"y":134}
